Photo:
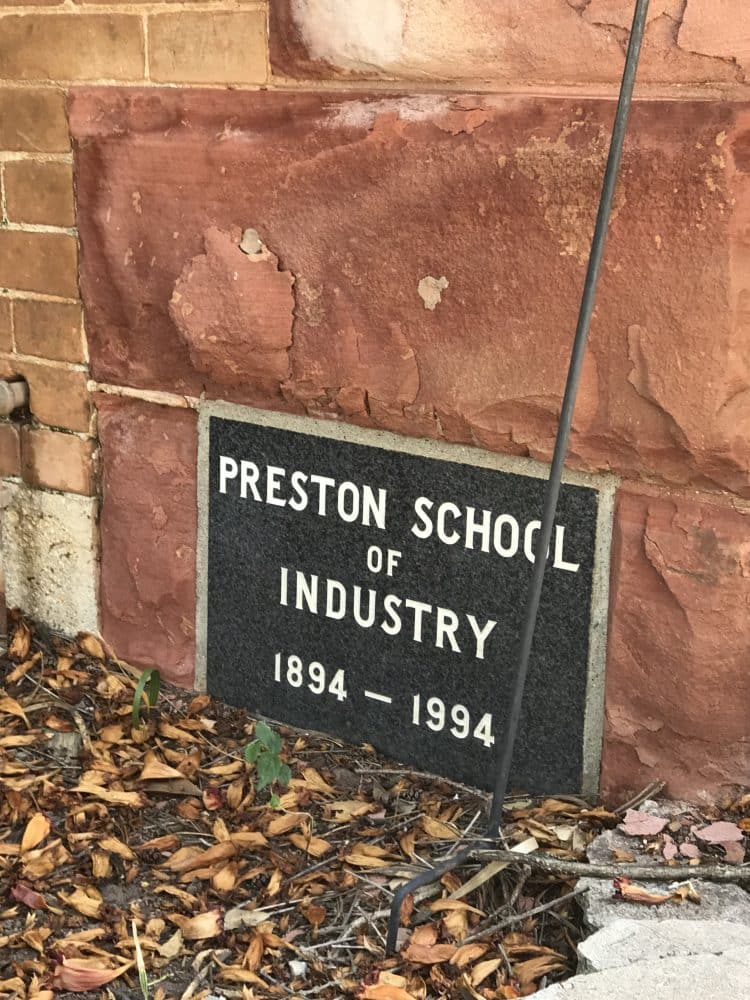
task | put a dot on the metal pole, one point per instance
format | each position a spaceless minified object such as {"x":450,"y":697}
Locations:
{"x":552,"y":491}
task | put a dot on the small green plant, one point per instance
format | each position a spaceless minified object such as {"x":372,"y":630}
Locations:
{"x":264,"y":751}
{"x":149,"y":683}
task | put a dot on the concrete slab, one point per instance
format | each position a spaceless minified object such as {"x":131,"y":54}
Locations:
{"x":624,"y":942}
{"x":710,"y":977}
{"x":718,"y":902}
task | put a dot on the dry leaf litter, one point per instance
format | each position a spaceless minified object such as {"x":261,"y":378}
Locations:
{"x":127,"y":849}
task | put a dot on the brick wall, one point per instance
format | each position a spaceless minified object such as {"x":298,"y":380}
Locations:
{"x":45,"y":48}
{"x":665,"y":396}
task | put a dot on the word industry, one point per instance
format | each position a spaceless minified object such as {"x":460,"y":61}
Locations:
{"x":375,"y":593}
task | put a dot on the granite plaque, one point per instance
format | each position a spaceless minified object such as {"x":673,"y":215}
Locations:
{"x":372,"y":587}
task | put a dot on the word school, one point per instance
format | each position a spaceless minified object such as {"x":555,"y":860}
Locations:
{"x":475,"y":529}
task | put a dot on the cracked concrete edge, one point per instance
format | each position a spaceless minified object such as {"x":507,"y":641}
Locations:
{"x":604,"y":484}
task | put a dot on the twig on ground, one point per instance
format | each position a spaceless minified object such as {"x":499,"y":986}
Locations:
{"x":519,"y":917}
{"x":646,"y":793}
{"x":660,"y":873}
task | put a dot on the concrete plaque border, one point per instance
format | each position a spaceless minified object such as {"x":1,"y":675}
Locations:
{"x":604,"y":484}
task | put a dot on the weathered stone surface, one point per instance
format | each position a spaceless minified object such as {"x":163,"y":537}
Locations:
{"x":626,"y":941}
{"x":710,"y":977}
{"x":234,"y":311}
{"x":362,"y":198}
{"x":727,"y":902}
{"x":50,"y":557}
{"x":148,"y":533}
{"x":678,"y":688}
{"x":537,"y":41}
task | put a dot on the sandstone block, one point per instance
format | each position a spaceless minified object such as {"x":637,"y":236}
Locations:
{"x":50,"y":557}
{"x":50,"y":330}
{"x":39,"y":262}
{"x":234,"y":312}
{"x":39,"y":192}
{"x":677,"y":689}
{"x":555,"y":42}
{"x":33,"y":120}
{"x":57,"y":461}
{"x":208,"y":47}
{"x":6,"y":325}
{"x":77,"y":46}
{"x":626,"y":941}
{"x":148,"y":531}
{"x":10,"y":450}
{"x":57,"y":396}
{"x":363,"y":197}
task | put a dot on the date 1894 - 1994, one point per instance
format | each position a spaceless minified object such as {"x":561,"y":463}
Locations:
{"x":431,"y":712}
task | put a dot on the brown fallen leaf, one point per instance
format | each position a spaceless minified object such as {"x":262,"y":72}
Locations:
{"x":20,"y":644}
{"x":29,"y":897}
{"x":284,"y":823}
{"x":386,"y":991}
{"x":369,"y":856}
{"x":439,"y":830}
{"x":86,"y":901}
{"x":311,"y":781}
{"x":469,"y":953}
{"x":37,"y":830}
{"x":22,"y":669}
{"x":172,"y":946}
{"x":245,"y":839}
{"x":314,"y":914}
{"x":91,"y":645}
{"x":534,"y":968}
{"x":80,"y":975}
{"x":115,"y":846}
{"x":9,"y":706}
{"x":169,"y":842}
{"x":113,"y":796}
{"x":484,"y":969}
{"x":441,"y":905}
{"x":316,"y":847}
{"x":347,"y":810}
{"x":627,"y":890}
{"x":202,"y":925}
{"x":187,"y":860}
{"x":423,"y":948}
{"x":156,"y":770}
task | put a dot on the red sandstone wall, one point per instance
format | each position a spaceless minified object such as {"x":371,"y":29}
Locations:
{"x":471,"y":147}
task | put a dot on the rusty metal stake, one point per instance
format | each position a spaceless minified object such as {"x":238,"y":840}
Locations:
{"x":552,"y":490}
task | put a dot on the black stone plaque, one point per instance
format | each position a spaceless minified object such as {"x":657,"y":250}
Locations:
{"x":377,"y":595}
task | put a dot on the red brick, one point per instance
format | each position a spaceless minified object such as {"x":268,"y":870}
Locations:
{"x":149,"y":533}
{"x":49,"y":329}
{"x":57,"y":461}
{"x":39,"y":192}
{"x":57,"y":396}
{"x":10,"y":449}
{"x":678,"y":687}
{"x":6,"y":325}
{"x":33,"y":120}
{"x":39,"y":262}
